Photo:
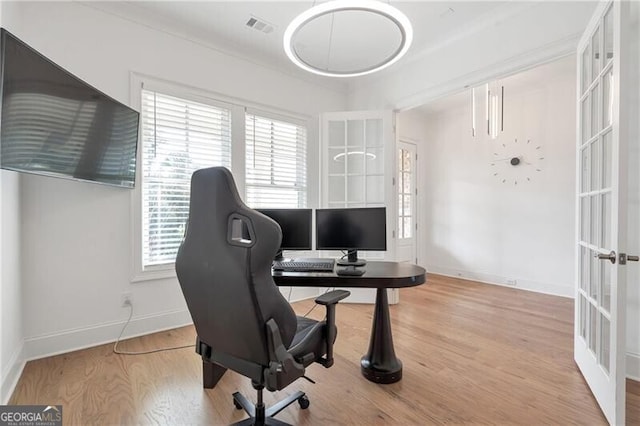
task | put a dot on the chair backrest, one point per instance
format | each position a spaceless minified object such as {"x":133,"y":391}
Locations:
{"x":224,"y":269}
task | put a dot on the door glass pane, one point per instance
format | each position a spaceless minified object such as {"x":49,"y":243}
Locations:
{"x":595,"y":159}
{"x":585,"y":110}
{"x":594,"y":111}
{"x":406,"y":161}
{"x":406,"y":183}
{"x":337,"y":161}
{"x":585,"y":260}
{"x":374,"y":132}
{"x":606,"y":160}
{"x":355,"y":162}
{"x":375,"y":161}
{"x":336,"y":133}
{"x":596,"y":57}
{"x":608,"y":36}
{"x":355,"y":189}
{"x":583,"y":316}
{"x":584,"y":175}
{"x":400,"y":231}
{"x":355,"y":134}
{"x":606,"y":222}
{"x":586,"y":62}
{"x":406,"y":205}
{"x":336,"y":189}
{"x":593,"y":319}
{"x":594,"y":276}
{"x":595,"y":221}
{"x":407,"y":227}
{"x":605,"y":341}
{"x":375,"y":189}
{"x":607,"y":99}
{"x":605,"y":300}
{"x":584,"y":219}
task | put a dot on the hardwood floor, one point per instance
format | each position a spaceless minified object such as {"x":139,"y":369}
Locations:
{"x":472,"y":353}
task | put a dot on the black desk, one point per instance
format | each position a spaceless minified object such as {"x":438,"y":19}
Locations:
{"x":379,"y":364}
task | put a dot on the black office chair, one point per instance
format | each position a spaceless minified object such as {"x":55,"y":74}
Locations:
{"x":242,"y":320}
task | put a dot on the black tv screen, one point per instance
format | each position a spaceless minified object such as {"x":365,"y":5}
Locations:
{"x":53,"y":123}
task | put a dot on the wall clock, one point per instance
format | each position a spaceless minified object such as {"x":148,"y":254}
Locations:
{"x":517,"y":162}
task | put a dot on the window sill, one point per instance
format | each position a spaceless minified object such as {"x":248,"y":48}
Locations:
{"x":154,"y":273}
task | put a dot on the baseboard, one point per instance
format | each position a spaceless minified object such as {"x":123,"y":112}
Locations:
{"x":295,"y":294}
{"x":633,"y":366}
{"x":11,"y":374}
{"x":85,"y":337}
{"x":513,"y":282}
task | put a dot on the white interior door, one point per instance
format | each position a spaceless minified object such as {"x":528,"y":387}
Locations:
{"x":407,"y":225}
{"x":357,"y":170}
{"x":599,"y":336}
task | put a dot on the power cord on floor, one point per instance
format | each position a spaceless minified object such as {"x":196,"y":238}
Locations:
{"x":119,"y":352}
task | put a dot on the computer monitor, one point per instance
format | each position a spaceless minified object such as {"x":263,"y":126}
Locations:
{"x":352,"y":229}
{"x":295,"y":225}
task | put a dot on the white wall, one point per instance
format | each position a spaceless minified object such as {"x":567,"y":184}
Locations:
{"x":11,"y":332}
{"x":77,"y":237}
{"x":11,"y":339}
{"x":518,"y":34}
{"x":475,"y":226}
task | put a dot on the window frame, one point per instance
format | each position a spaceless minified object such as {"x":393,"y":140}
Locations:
{"x":239,"y":108}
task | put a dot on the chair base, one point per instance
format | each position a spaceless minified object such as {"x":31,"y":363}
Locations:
{"x":259,"y":415}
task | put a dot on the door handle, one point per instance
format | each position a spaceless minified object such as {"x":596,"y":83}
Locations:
{"x":610,"y":256}
{"x":624,"y":258}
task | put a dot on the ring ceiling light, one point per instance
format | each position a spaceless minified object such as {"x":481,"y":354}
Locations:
{"x":348,"y":38}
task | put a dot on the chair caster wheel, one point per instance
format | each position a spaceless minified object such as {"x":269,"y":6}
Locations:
{"x":304,"y":402}
{"x":238,"y":406}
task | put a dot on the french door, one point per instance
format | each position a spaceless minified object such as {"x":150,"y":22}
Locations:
{"x":599,"y":336}
{"x":407,"y":209}
{"x":357,"y":170}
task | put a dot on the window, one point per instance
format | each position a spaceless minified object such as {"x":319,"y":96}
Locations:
{"x":276,"y":162}
{"x":184,"y":129}
{"x":178,"y":137}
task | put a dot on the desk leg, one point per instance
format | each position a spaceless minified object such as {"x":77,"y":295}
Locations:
{"x":380,"y":364}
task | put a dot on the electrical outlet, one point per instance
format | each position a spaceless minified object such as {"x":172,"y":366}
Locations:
{"x":126,"y":299}
{"x":511,"y":282}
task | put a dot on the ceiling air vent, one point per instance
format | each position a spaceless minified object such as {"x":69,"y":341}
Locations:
{"x":260,"y":25}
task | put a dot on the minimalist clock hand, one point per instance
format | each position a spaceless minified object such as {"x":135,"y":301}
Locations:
{"x":505,"y":159}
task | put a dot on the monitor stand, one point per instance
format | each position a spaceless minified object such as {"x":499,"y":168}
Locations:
{"x":352,"y":259}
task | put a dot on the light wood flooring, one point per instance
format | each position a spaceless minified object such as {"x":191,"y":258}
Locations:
{"x":472,"y":353}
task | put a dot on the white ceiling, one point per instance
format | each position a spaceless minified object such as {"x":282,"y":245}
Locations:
{"x":222,"y":24}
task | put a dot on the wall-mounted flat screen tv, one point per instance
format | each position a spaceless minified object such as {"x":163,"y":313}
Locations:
{"x":55,"y":124}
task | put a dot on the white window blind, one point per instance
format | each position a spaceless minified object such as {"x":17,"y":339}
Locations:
{"x":276,"y":163}
{"x":179,"y":136}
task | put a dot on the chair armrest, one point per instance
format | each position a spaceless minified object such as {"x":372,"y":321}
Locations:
{"x":332,"y":297}
{"x":330,"y":300}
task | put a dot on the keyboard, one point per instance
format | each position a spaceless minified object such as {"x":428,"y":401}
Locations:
{"x":319,"y":265}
